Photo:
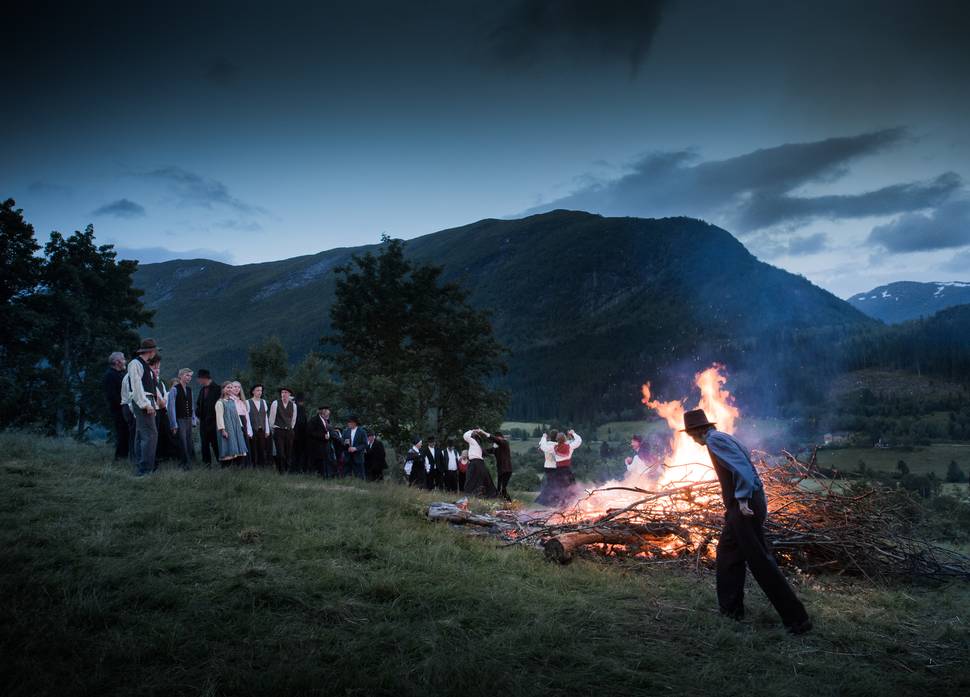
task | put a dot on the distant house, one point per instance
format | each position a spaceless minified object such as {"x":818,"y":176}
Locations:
{"x":836,"y":438}
{"x":882,"y":444}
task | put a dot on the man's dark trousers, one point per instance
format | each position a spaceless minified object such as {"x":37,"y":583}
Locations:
{"x":283,"y":437}
{"x":209,"y":437}
{"x":186,"y":442}
{"x":129,"y":418}
{"x":122,"y":447}
{"x":742,"y":545}
{"x":147,"y":438}
{"x":503,"y":483}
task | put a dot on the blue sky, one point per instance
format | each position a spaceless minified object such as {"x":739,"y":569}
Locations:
{"x":829,"y":137}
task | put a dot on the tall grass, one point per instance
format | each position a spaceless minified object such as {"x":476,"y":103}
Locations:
{"x":242,"y":583}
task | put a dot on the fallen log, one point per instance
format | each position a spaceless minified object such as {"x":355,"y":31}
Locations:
{"x":453,"y":514}
{"x":562,"y":547}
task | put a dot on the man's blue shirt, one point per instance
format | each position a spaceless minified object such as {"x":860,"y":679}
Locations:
{"x":733,"y":456}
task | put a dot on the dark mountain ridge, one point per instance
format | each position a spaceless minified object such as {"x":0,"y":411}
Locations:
{"x":589,"y":306}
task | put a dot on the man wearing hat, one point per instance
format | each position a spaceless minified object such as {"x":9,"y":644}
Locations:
{"x":282,"y":419}
{"x":355,"y":439}
{"x":146,"y":396}
{"x":205,"y":411}
{"x":742,"y":543}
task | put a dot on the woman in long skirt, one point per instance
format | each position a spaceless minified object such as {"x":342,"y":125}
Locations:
{"x":232,"y":442}
{"x":557,"y":489}
{"x":478,"y":480}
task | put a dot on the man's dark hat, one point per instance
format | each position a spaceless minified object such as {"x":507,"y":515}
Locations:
{"x":147,"y":345}
{"x":696,"y":419}
{"x":287,"y":389}
{"x":429,"y":439}
{"x":354,"y":419}
{"x":203,"y":373}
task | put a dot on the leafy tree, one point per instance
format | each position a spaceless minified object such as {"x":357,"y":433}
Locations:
{"x":20,"y":269}
{"x":313,"y":379}
{"x":413,"y":357}
{"x":954,"y":473}
{"x":268,"y":366}
{"x":88,"y":308}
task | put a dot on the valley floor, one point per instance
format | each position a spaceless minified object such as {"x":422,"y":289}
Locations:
{"x":245,"y":583}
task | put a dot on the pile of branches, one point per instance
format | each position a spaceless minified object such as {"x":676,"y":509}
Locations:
{"x":814,"y":525}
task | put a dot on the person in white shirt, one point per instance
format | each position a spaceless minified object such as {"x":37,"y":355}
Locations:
{"x":559,"y":476}
{"x":478,"y":480}
{"x":639,"y":463}
{"x":147,"y":395}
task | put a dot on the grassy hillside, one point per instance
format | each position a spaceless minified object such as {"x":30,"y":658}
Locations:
{"x":590,"y":306}
{"x":244,"y":583}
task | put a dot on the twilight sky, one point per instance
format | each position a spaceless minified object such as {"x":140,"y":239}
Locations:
{"x":830,"y":137}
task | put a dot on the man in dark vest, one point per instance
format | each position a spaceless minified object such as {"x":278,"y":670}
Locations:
{"x":449,"y":465}
{"x":205,"y":411}
{"x":259,"y":416}
{"x":742,"y":542}
{"x":282,"y":418}
{"x":145,"y":398}
{"x":503,"y":463}
{"x":181,"y":417}
{"x":430,"y":452}
{"x":112,"y":396}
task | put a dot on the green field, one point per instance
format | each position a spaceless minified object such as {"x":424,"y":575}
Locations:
{"x":247,"y":583}
{"x":920,"y":459}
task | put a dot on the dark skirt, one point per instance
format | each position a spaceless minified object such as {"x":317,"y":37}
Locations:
{"x":478,"y":480}
{"x":557,"y":487}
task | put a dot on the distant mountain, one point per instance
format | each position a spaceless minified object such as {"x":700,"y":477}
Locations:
{"x":905,"y":300}
{"x":590,"y":306}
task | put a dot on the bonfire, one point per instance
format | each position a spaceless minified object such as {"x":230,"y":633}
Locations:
{"x":815,"y":524}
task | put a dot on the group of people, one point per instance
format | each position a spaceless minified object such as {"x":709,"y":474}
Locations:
{"x":234,"y":429}
{"x":430,"y":465}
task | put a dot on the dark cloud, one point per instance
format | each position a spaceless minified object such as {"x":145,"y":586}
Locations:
{"x":534,"y":30}
{"x":754,"y":191}
{"x":122,"y":208}
{"x":154,"y":255}
{"x":195,"y":190}
{"x":42,"y":187}
{"x":808,"y":244}
{"x":944,"y":228}
{"x":766,"y":210}
{"x":221,"y":72}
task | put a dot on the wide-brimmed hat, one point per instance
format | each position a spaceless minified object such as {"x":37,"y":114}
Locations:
{"x":147,"y":345}
{"x":695,"y":419}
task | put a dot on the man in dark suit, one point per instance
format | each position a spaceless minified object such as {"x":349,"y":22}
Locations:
{"x":376,"y":459}
{"x":448,"y":465}
{"x":355,"y":441}
{"x":205,"y":412}
{"x":319,"y":448}
{"x":112,"y":395}
{"x":430,"y":452}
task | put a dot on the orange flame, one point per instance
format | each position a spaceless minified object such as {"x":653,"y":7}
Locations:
{"x":688,"y":461}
